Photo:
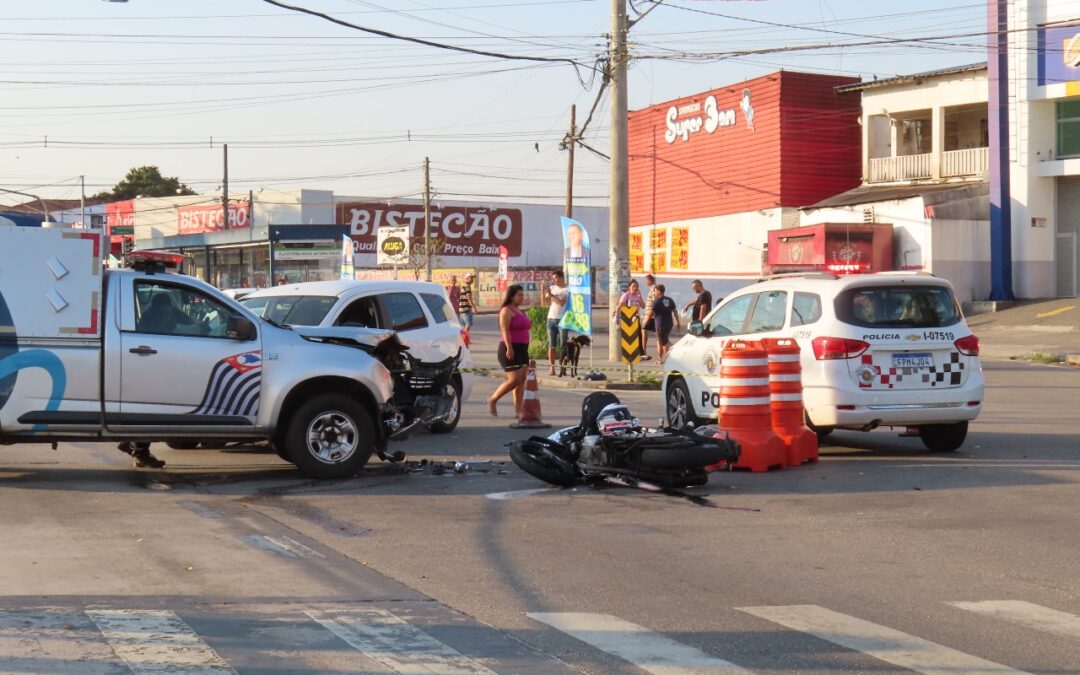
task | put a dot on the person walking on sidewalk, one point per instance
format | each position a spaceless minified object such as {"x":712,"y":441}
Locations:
{"x":453,"y":293}
{"x":466,"y":308}
{"x":701,"y":304}
{"x":649,"y":323}
{"x":513,"y":351}
{"x":556,"y":295}
{"x":631,"y":297}
{"x":140,"y":451}
{"x":664,"y":313}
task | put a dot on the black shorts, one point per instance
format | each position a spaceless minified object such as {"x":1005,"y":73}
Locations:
{"x":650,"y":324}
{"x":516,"y":359}
{"x":663,"y":334}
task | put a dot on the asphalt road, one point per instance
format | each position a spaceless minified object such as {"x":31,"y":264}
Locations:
{"x":882,"y":557}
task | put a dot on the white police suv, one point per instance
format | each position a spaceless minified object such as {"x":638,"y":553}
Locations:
{"x":888,"y":349}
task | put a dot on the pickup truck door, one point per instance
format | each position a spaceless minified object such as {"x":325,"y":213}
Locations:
{"x":178,"y":365}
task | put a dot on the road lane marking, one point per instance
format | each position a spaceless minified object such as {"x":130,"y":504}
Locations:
{"x":286,"y":546}
{"x":1055,"y":312}
{"x":54,"y":640}
{"x":1027,"y":614}
{"x":886,"y":644}
{"x":652,"y":652}
{"x":388,"y":639}
{"x":155,"y":641}
{"x":514,"y":494}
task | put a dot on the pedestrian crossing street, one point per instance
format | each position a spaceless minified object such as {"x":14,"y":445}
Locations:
{"x":429,"y":638}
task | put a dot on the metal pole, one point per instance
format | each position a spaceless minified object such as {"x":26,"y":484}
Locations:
{"x":1000,"y":198}
{"x":225,"y":189}
{"x":82,"y":200}
{"x":427,"y":219}
{"x":618,"y":225}
{"x":571,"y":142}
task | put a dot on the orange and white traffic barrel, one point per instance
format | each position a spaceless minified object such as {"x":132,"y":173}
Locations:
{"x":745,"y":406}
{"x":786,"y":401}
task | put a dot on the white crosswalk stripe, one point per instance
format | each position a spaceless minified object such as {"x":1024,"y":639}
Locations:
{"x":154,"y":641}
{"x":652,"y":652}
{"x":886,"y":644}
{"x":1027,"y":614}
{"x":386,"y":638}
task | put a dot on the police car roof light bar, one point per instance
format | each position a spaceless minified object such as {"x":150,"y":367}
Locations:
{"x":153,"y":261}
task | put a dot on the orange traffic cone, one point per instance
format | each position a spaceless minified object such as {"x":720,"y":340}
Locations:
{"x":530,"y":405}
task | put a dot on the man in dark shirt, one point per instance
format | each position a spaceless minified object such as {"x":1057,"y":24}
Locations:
{"x":701,"y":304}
{"x":665,"y":315}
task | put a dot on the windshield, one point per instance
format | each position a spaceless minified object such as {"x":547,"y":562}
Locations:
{"x":291,"y":310}
{"x":902,"y":306}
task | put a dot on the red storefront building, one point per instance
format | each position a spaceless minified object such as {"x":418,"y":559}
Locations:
{"x":712,"y":173}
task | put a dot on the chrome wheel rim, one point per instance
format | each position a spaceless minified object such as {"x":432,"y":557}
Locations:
{"x":677,"y":407}
{"x":332,"y":437}
{"x":455,"y":403}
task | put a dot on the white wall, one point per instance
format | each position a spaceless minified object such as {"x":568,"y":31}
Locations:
{"x":960,"y":252}
{"x":156,"y":217}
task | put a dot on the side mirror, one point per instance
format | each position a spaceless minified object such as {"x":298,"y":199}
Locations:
{"x":697,"y":329}
{"x":240,"y":328}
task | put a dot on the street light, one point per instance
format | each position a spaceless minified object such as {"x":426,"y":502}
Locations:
{"x":44,"y":206}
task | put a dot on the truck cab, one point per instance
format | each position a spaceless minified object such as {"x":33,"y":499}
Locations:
{"x":146,"y":354}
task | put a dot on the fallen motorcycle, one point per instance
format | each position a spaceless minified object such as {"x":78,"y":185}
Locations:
{"x":610,"y":442}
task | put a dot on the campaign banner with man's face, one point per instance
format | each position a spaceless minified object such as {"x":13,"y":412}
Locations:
{"x":577,"y":261}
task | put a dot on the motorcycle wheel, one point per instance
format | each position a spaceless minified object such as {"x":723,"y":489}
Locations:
{"x":453,"y":389}
{"x":540,"y":461}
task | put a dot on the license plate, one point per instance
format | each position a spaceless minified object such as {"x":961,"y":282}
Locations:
{"x":921,"y":360}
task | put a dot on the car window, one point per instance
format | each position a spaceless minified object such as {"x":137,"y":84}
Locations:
{"x":730,"y":318}
{"x":900,"y":306}
{"x":292,"y":310}
{"x":805,"y":309}
{"x":362,"y":312}
{"x":439,"y":307}
{"x":769,"y":312}
{"x":164,"y":309}
{"x":403,"y":311}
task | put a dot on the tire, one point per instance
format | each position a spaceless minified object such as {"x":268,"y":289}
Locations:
{"x":679,"y":407}
{"x":943,"y":437}
{"x":455,"y":410}
{"x":281,"y":453}
{"x":183,"y":444}
{"x":822,"y":432}
{"x":540,"y":461}
{"x":330,"y":436}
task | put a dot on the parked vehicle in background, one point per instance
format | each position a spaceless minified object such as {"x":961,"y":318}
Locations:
{"x":889,"y":349}
{"x":418,"y":311}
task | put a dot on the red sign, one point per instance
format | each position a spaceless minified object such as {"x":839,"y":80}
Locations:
{"x":120,"y":218}
{"x":461,"y":231}
{"x":198,"y":218}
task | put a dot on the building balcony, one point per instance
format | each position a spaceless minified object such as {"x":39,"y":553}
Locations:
{"x":954,"y":164}
{"x":968,"y":162}
{"x":906,"y":167}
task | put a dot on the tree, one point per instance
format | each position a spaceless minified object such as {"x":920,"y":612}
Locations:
{"x":419,"y":254}
{"x":145,"y":181}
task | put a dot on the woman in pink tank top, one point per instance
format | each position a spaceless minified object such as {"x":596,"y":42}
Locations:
{"x":513,"y":353}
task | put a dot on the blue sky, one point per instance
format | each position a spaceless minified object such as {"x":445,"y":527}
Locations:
{"x":303,"y":102}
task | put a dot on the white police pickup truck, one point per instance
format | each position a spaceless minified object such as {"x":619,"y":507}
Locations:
{"x":144,"y":355}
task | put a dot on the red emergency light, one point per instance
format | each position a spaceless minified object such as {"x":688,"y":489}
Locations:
{"x":153,"y":261}
{"x":847,"y":268}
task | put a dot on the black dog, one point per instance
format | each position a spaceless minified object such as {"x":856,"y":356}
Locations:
{"x":571,"y":352}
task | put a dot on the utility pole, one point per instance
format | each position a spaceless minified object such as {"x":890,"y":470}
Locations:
{"x":1000,"y":196}
{"x":225,"y":189}
{"x":82,"y":200}
{"x":619,"y":204}
{"x":427,"y":218}
{"x":571,"y":141}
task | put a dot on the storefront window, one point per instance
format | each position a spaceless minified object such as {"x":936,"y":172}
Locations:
{"x":294,"y":263}
{"x":195,"y":263}
{"x":1068,"y":128}
{"x":229,"y":270}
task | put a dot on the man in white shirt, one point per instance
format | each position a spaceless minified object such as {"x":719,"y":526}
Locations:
{"x":556,"y":295}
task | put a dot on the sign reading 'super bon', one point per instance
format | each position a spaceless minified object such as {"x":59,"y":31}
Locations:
{"x":690,"y":118}
{"x":458,"y":230}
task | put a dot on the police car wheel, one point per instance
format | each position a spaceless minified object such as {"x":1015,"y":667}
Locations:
{"x":330,"y":436}
{"x":943,"y":437}
{"x":822,"y":432}
{"x":679,"y":406}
